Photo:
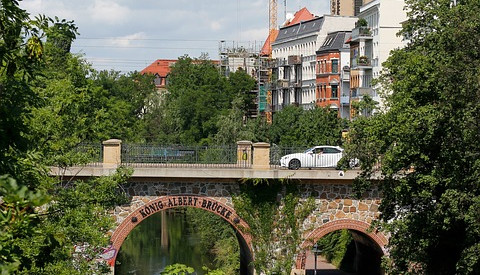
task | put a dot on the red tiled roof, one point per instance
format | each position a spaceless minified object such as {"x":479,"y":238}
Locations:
{"x":160,"y":67}
{"x":267,"y":47}
{"x":301,"y":15}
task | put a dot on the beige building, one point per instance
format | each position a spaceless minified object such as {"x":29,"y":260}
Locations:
{"x":347,"y":7}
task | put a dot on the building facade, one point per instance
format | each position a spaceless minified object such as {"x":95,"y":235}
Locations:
{"x":333,"y":73}
{"x":294,"y":57}
{"x":374,"y":36}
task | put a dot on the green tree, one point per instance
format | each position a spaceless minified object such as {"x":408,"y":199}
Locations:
{"x":21,"y":50}
{"x":295,"y":126}
{"x":217,"y":238}
{"x":199,"y":95}
{"x":42,"y":219}
{"x":427,"y":142}
{"x":198,"y":98}
{"x":242,"y":85}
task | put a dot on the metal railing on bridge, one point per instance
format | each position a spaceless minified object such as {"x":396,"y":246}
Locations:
{"x":91,"y":153}
{"x":276,"y":152}
{"x":151,"y":155}
{"x":244,"y":154}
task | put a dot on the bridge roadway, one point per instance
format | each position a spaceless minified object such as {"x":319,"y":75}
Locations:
{"x":212,"y":173}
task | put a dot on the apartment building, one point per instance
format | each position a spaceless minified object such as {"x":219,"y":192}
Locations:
{"x":294,"y":59}
{"x":333,"y":73}
{"x":373,"y":37}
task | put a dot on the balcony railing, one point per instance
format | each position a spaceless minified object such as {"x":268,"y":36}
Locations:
{"x":282,"y":83}
{"x":294,"y":60}
{"x":361,"y":33}
{"x":362,"y":62}
{"x":359,"y":92}
{"x":345,"y":99}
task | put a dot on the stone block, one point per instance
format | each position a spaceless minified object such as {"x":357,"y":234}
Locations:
{"x":340,"y":215}
{"x":362,"y":206}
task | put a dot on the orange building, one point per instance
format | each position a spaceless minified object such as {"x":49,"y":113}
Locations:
{"x":332,"y":75}
{"x":160,"y":69}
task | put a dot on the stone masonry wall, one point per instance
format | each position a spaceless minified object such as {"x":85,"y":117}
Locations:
{"x":333,"y":201}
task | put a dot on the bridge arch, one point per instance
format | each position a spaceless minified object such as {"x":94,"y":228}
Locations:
{"x":364,"y":235}
{"x":163,"y":203}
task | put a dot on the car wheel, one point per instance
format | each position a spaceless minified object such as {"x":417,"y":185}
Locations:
{"x":294,"y":164}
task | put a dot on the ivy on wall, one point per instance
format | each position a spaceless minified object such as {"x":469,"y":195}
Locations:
{"x":275,"y":213}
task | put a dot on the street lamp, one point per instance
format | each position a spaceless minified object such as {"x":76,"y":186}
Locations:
{"x":316,"y":250}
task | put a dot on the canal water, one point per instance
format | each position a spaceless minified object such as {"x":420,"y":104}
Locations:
{"x":162,"y":239}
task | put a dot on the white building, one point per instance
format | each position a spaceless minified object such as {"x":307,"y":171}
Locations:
{"x":371,"y":45}
{"x":294,"y":53}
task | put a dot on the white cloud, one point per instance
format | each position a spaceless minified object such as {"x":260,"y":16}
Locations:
{"x":32,"y":6}
{"x":215,"y":26}
{"x":128,"y":40}
{"x":109,"y":12}
{"x":49,"y":8}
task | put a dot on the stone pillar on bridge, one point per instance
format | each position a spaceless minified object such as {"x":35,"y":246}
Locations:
{"x":261,"y":155}
{"x":112,"y":150}
{"x":244,"y":153}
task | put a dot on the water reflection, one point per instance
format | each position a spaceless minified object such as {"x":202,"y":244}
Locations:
{"x":162,"y":239}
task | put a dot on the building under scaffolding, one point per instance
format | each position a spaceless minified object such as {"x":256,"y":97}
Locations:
{"x":246,"y":57}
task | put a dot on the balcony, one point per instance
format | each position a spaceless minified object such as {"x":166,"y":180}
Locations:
{"x":361,"y":33}
{"x":362,"y":62}
{"x":294,"y":60}
{"x":345,"y":100}
{"x":278,"y":62}
{"x":282,"y":83}
{"x":296,"y":83}
{"x":361,"y":91}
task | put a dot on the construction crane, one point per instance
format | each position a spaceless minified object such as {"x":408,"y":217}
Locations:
{"x":272,"y":16}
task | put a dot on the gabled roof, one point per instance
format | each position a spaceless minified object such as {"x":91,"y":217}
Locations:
{"x":300,"y":29}
{"x":160,"y":67}
{"x":335,"y":41}
{"x":302,"y":15}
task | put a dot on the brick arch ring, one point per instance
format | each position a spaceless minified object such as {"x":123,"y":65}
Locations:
{"x":378,"y":237}
{"x":167,"y":202}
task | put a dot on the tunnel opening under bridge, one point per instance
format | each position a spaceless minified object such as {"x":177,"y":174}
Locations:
{"x":363,"y":248}
{"x":172,"y":209}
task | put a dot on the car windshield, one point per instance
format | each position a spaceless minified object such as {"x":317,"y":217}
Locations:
{"x":309,"y":150}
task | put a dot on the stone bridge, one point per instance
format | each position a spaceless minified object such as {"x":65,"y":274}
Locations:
{"x":154,"y":189}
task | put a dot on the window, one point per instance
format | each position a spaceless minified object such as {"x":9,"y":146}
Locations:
{"x":335,"y":66}
{"x":334,"y":91}
{"x":328,"y":150}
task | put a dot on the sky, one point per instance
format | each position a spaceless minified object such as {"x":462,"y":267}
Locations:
{"x":126,"y":35}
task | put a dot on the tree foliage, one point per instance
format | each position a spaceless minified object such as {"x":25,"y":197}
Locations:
{"x":198,"y":97}
{"x":273,"y":221}
{"x":49,"y":225}
{"x":296,"y":126}
{"x":427,"y":141}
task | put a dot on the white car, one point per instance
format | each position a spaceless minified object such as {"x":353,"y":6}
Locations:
{"x":318,"y":156}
